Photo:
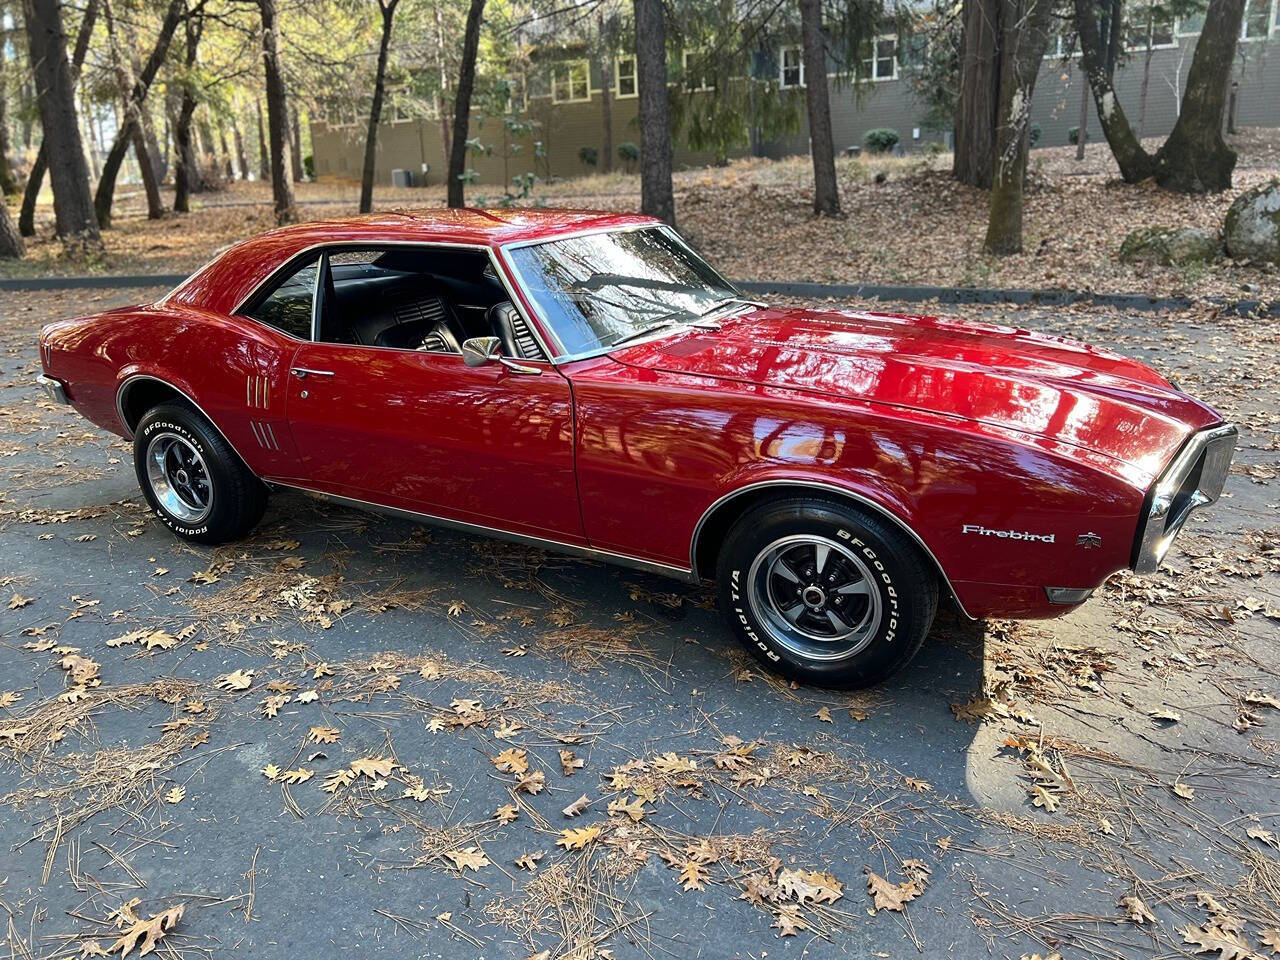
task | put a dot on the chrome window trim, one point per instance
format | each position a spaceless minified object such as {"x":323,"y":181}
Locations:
{"x":1155,"y":533}
{"x":327,"y":246}
{"x":463,"y":526}
{"x":829,"y":488}
{"x":561,"y":356}
{"x":124,"y":384}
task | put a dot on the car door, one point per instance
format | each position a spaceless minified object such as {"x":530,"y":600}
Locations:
{"x":422,"y":431}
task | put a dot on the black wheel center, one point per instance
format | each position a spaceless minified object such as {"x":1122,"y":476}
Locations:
{"x":182,"y":478}
{"x":814,"y":596}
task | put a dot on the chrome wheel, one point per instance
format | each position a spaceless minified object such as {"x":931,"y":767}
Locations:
{"x":179,"y":478}
{"x":814,"y":596}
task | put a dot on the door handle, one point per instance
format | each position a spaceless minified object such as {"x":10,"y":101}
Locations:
{"x":303,"y":372}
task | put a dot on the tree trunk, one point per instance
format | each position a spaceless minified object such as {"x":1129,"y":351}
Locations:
{"x":8,"y":185}
{"x":1082,"y":131}
{"x":1134,"y":162}
{"x":978,"y":106}
{"x":295,"y":154}
{"x":605,"y":46}
{"x":442,"y":99}
{"x":228,"y":169}
{"x":462,"y":103}
{"x":186,"y":170}
{"x":826,"y":193}
{"x":388,"y":8}
{"x":1195,"y":158}
{"x":1023,"y":44}
{"x":159,"y":161}
{"x":55,"y":93}
{"x":657,"y":198}
{"x":264,"y":158}
{"x":238,"y":138}
{"x":1146,"y":79}
{"x":31,"y":193}
{"x":133,"y":94}
{"x":277,"y":116}
{"x":11,"y":245}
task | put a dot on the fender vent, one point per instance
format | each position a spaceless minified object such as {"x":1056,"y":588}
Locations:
{"x":257,"y":392}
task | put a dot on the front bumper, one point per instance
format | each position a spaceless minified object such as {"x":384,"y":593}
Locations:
{"x":53,"y":389}
{"x":1194,"y":479}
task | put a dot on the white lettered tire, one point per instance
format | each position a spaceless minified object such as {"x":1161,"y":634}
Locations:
{"x":192,"y":479}
{"x":824,"y":593}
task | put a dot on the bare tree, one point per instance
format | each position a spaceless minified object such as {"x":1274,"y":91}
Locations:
{"x":462,"y":103}
{"x":277,"y":115}
{"x":238,"y":137}
{"x":264,"y":158}
{"x":55,"y":93}
{"x":388,"y":10}
{"x":1025,"y":26}
{"x":186,"y":167}
{"x":978,"y":106}
{"x":11,"y":245}
{"x":27,"y":214}
{"x":826,"y":192}
{"x":656,"y":196}
{"x":295,"y":131}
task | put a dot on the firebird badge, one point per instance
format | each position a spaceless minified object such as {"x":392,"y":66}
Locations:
{"x":1089,"y":541}
{"x":982,"y":531}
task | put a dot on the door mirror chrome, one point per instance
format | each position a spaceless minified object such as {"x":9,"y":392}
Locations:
{"x":478,"y":351}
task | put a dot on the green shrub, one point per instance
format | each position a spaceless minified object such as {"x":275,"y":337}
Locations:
{"x":589,"y":156}
{"x":1073,"y":135}
{"x":1033,"y":135}
{"x":880,"y":140}
{"x":629,"y":154}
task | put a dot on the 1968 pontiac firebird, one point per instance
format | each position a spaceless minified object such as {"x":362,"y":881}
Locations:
{"x":586,"y":382}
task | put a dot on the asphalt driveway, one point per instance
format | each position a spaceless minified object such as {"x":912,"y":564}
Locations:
{"x":351,"y":734}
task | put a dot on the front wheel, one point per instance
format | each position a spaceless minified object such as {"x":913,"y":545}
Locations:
{"x":192,"y":478}
{"x":825,"y":594}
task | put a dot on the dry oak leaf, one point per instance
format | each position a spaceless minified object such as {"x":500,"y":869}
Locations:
{"x":578,"y":806}
{"x":323,"y":734}
{"x":1043,"y":798}
{"x":92,"y":948}
{"x":635,"y":809}
{"x":529,"y":861}
{"x":569,"y":763}
{"x":8,"y":698}
{"x":577,"y":839}
{"x":506,"y":813}
{"x":271,"y":706}
{"x":1167,"y":716}
{"x":175,"y":795}
{"x":1211,"y":938}
{"x":889,"y":896}
{"x":1271,"y":938}
{"x":236,"y":680}
{"x":300,"y":775}
{"x":532,"y":783}
{"x":693,"y":875}
{"x":149,"y":932}
{"x":1182,"y":790}
{"x":373,"y":767}
{"x":1136,"y":910}
{"x":810,"y":885}
{"x":789,"y":921}
{"x":335,"y":781}
{"x":17,"y":602}
{"x":271,"y":771}
{"x":512,"y":760}
{"x":824,"y":715}
{"x":468,"y":858}
{"x":1266,"y":836}
{"x":670,"y":763}
{"x":919,"y":786}
{"x":307,"y":696}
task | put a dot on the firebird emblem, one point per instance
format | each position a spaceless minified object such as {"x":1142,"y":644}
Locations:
{"x":982,"y":531}
{"x":1089,"y":541}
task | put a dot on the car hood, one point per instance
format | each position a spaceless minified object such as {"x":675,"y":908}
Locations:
{"x":1035,"y":384}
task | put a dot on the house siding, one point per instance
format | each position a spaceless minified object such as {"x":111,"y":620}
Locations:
{"x":564,"y":128}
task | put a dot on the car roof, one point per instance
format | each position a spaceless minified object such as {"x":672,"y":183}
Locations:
{"x":488,"y":227}
{"x":223,"y":283}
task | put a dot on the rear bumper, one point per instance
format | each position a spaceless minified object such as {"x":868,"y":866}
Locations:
{"x":1194,"y":479}
{"x":55,"y":390}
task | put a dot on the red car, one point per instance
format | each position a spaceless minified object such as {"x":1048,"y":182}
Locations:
{"x":586,"y":382}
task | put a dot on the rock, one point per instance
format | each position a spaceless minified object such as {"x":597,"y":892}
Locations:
{"x":1253,"y":224}
{"x":1170,"y":246}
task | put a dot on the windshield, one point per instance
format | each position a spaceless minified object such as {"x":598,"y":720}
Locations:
{"x":598,"y":290}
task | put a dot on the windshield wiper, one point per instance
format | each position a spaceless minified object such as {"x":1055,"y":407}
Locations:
{"x":644,"y":331}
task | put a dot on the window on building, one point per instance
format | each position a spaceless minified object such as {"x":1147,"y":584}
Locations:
{"x":624,"y":75}
{"x":792,"y":67}
{"x":883,"y":63}
{"x":570,"y":82}
{"x":1148,"y":24}
{"x":1190,"y":26}
{"x":288,"y":307}
{"x":917,"y":51}
{"x":1257,"y":20}
{"x":697,"y":71}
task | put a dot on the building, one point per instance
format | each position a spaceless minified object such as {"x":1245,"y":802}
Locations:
{"x":560,"y":99}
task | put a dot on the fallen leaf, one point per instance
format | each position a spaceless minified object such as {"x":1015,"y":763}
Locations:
{"x":788,"y":921}
{"x":529,"y":861}
{"x":569,"y":763}
{"x":1168,"y":716}
{"x":271,"y":771}
{"x":468,"y":858}
{"x":919,"y":786}
{"x":236,"y":680}
{"x":578,"y":806}
{"x":150,"y":932}
{"x":891,"y":896}
{"x":175,"y":795}
{"x":1184,"y":791}
{"x":635,"y":809}
{"x":300,"y":775}
{"x":335,"y":781}
{"x":693,"y":876}
{"x":506,"y":813}
{"x":373,"y":767}
{"x":532,"y":783}
{"x":1266,"y":836}
{"x":18,"y":601}
{"x":1043,"y":798}
{"x":512,"y":760}
{"x":1213,"y":939}
{"x":824,"y":715}
{"x":323,"y":734}
{"x":1136,"y":910}
{"x":577,"y":839}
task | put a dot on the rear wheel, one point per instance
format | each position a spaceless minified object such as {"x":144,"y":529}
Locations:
{"x":825,"y":594}
{"x":196,"y":484}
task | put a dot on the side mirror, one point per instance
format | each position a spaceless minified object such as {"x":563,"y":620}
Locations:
{"x":478,"y":351}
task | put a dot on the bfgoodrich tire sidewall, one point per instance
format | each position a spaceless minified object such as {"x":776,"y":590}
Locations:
{"x":907,"y":592}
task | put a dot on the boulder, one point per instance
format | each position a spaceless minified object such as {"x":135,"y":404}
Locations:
{"x":1253,"y":225}
{"x":1170,"y":246}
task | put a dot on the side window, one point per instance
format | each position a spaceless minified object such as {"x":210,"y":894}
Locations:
{"x":289,"y":306}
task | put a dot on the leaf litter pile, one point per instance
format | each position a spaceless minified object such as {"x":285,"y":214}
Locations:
{"x":470,"y":748}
